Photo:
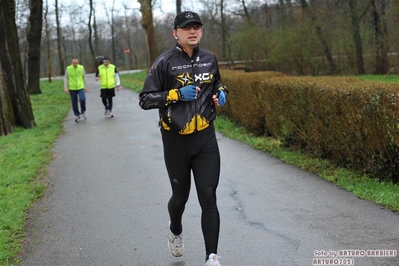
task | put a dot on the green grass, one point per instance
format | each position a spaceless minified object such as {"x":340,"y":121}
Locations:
{"x":382,"y":78}
{"x":23,"y":158}
{"x":385,"y":194}
{"x":133,"y":81}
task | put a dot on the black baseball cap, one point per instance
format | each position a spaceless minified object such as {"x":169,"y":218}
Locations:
{"x":185,"y":17}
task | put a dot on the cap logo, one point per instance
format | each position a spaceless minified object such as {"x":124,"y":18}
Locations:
{"x":189,"y":15}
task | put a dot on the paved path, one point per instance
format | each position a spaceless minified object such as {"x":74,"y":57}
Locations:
{"x":108,"y":190}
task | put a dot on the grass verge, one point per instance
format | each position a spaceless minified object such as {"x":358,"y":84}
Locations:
{"x":363,"y":186}
{"x":23,"y":158}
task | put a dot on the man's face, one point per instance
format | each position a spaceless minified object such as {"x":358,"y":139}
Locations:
{"x":75,"y":62}
{"x":190,"y":34}
{"x":105,"y":62}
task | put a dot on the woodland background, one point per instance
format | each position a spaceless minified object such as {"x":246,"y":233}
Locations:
{"x":297,"y":37}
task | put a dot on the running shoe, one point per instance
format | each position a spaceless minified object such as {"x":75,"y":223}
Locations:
{"x":175,"y":244}
{"x":83,"y":116}
{"x":77,"y":118}
{"x":106,"y":112}
{"x":110,"y":114}
{"x":213,"y":260}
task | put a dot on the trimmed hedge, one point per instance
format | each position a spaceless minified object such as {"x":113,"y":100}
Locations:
{"x":343,"y":119}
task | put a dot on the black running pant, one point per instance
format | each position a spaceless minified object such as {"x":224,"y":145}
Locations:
{"x":106,"y":97}
{"x":199,"y":153}
{"x":107,"y":102}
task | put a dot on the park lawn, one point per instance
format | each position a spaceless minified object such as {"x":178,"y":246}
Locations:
{"x":24,"y":156}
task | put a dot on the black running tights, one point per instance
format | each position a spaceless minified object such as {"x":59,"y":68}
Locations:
{"x":199,"y":153}
{"x":107,"y":101}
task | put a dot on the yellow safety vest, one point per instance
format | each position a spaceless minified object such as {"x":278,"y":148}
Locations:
{"x":75,"y":77}
{"x":107,"y":76}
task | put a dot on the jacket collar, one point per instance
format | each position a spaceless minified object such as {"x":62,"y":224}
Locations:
{"x":180,"y":49}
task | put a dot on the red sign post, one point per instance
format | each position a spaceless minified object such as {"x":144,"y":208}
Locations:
{"x":127,"y":53}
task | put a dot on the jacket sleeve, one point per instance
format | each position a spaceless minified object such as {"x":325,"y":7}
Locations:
{"x":117,"y":79}
{"x":84,"y":77}
{"x":66,"y":79}
{"x":153,"y":95}
{"x":217,"y":83}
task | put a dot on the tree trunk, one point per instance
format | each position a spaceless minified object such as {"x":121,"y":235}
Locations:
{"x":224,"y":31}
{"x":357,"y":37}
{"x":6,"y":112}
{"x":47,"y":31}
{"x":15,"y":109}
{"x":148,"y":26}
{"x":59,"y":40}
{"x":113,"y":36}
{"x":178,"y":6}
{"x":111,"y":25}
{"x":34,"y":39}
{"x":381,"y":39}
{"x":246,"y":13}
{"x":93,"y":55}
{"x":96,"y":37}
{"x":327,"y":52}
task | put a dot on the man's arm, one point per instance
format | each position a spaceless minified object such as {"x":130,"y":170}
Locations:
{"x":117,"y":80}
{"x":97,"y":73}
{"x":84,"y":79}
{"x":66,"y":82}
{"x":152,"y":96}
{"x":84,"y":76}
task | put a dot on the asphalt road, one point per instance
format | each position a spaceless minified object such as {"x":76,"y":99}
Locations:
{"x":108,"y":191}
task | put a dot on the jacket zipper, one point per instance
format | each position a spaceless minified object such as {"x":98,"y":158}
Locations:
{"x":196,"y":100}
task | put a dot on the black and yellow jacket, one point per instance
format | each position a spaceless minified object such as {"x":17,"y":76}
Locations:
{"x":175,"y":69}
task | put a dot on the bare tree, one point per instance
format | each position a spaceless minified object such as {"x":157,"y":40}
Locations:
{"x":59,"y":39}
{"x":381,"y":38}
{"x":319,"y":35}
{"x":22,"y":22}
{"x":323,"y":40}
{"x":16,"y":109}
{"x":34,"y":39}
{"x":356,"y":15}
{"x":246,"y":12}
{"x":111,"y":23}
{"x":92,"y":52}
{"x":225,"y":48}
{"x":48,"y":49}
{"x":148,"y":26}
{"x":6,"y":112}
{"x":178,"y":6}
{"x":95,"y":29}
{"x":128,"y":35}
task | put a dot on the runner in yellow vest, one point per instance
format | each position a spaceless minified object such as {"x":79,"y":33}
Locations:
{"x":109,"y":80}
{"x":74,"y":84}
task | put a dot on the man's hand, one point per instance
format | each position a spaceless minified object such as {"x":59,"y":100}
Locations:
{"x":66,"y":90}
{"x":188,"y":93}
{"x":220,"y":97}
{"x":117,"y":88}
